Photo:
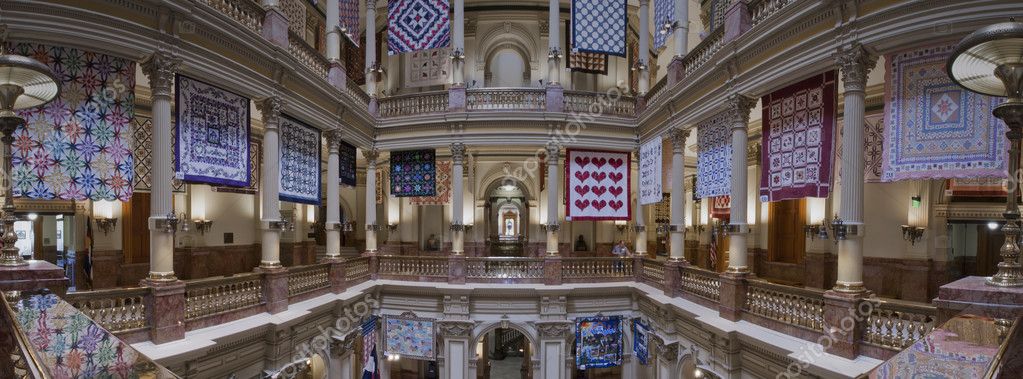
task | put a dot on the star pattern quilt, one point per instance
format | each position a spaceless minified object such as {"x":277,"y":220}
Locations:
{"x":348,"y":16}
{"x":428,"y":67}
{"x":414,"y":25}
{"x":664,"y":13}
{"x":935,"y":129}
{"x":212,"y":134}
{"x":77,"y":146}
{"x":597,"y":185}
{"x":714,"y":157}
{"x":599,"y":26}
{"x":798,"y":139}
{"x":873,"y":141}
{"x":650,"y":169}
{"x":410,"y":337}
{"x":300,"y":162}
{"x":443,"y":195}
{"x":369,"y":344}
{"x":414,"y":173}
{"x":583,"y":62}
{"x":347,"y":159}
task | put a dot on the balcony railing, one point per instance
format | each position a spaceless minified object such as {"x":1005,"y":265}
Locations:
{"x":356,"y":270}
{"x":895,"y":325}
{"x":246,"y":12}
{"x":653,"y":273}
{"x":700,"y":282}
{"x":699,"y":56}
{"x":414,"y":267}
{"x":117,"y":310}
{"x":760,"y":10}
{"x":214,"y":296}
{"x":802,"y":307}
{"x":414,"y":104}
{"x":306,"y":54}
{"x":306,"y":279}
{"x":611,"y":103}
{"x":504,"y":269}
{"x":506,"y":99}
{"x":597,"y":269}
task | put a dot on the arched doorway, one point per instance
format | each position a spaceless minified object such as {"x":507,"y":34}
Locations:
{"x":507,"y":215}
{"x":504,"y":353}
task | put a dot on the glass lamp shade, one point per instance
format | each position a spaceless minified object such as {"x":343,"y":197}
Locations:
{"x":37,"y":82}
{"x":977,"y":58}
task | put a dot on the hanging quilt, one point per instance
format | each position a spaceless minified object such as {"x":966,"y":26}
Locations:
{"x":650,"y":169}
{"x":721,"y":206}
{"x":77,"y":146}
{"x":935,"y":129}
{"x":584,"y":62}
{"x":346,"y":160}
{"x":299,"y":162}
{"x":664,"y":14}
{"x":443,"y":191}
{"x":348,"y":17}
{"x":598,"y":342}
{"x":354,"y":57}
{"x":798,"y":135}
{"x":978,"y":187}
{"x":873,"y":141}
{"x":597,"y":185}
{"x":414,"y":25}
{"x":599,"y":26}
{"x":410,"y":337}
{"x":640,"y":340}
{"x":369,"y":348}
{"x":714,"y":156}
{"x":662,"y":210}
{"x":380,"y":187}
{"x":428,"y":67}
{"x":212,"y":134}
{"x":142,"y":153}
{"x":413,"y":173}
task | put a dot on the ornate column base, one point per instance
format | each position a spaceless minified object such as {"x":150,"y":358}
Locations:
{"x":456,"y":269}
{"x":733,"y":295}
{"x":673,"y":276}
{"x":337,"y":274}
{"x":275,"y":289}
{"x":555,"y":98}
{"x":165,"y":310}
{"x":456,"y":98}
{"x":843,"y":324}
{"x":337,"y":76}
{"x":275,"y":27}
{"x":552,"y":270}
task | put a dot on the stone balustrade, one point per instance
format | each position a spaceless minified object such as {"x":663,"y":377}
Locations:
{"x":702,"y":283}
{"x":802,"y":307}
{"x":414,"y":104}
{"x":895,"y":325}
{"x":596,"y":269}
{"x":119,"y":310}
{"x":506,"y":99}
{"x":306,"y":279}
{"x":214,"y":296}
{"x":653,"y":273}
{"x":246,"y":12}
{"x":504,"y":270}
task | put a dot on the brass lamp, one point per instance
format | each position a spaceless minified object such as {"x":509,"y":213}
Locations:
{"x":24,"y":83}
{"x":990,"y":61}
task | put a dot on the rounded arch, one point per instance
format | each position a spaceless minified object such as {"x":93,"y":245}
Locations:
{"x":506,"y":46}
{"x":483,"y":329}
{"x":500,"y":175}
{"x":509,"y":33}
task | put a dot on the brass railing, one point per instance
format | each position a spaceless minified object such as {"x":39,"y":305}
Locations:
{"x":117,"y":310}
{"x":207,"y":297}
{"x":760,"y":10}
{"x":309,"y":278}
{"x":356,"y":270}
{"x":246,"y":12}
{"x":414,"y":104}
{"x":700,"y":282}
{"x":803,"y":307}
{"x":653,"y":272}
{"x":308,"y":55}
{"x":895,"y":324}
{"x":610,"y":103}
{"x":506,"y":99}
{"x":414,"y":266}
{"x":503,"y":268}
{"x":597,"y":268}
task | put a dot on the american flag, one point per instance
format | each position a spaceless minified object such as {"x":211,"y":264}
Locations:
{"x":713,"y":248}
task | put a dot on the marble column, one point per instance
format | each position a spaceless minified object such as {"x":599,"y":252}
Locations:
{"x":336,"y":75}
{"x":275,"y":23}
{"x":370,"y":48}
{"x":855,"y":64}
{"x":640,"y":227}
{"x":739,"y":107}
{"x":159,"y":68}
{"x":269,"y":191}
{"x":458,"y":43}
{"x":643,"y":63}
{"x":333,"y":221}
{"x":553,"y":154}
{"x":554,"y":348}
{"x":371,"y":156}
{"x":457,"y":348}
{"x":681,"y":30}
{"x":457,"y":200}
{"x":678,"y":144}
{"x":554,"y":53}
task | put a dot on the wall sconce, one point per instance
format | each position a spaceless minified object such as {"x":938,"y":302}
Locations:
{"x":106,"y":224}
{"x":640,"y":66}
{"x":375,"y":68}
{"x":392,"y":227}
{"x":840,"y":230}
{"x":697,"y":228}
{"x":167,"y":224}
{"x":456,"y":227}
{"x":620,"y":225}
{"x":202,"y":226}
{"x":816,"y":231}
{"x":458,"y":54}
{"x":912,"y":233}
{"x":554,"y":52}
{"x":348,"y":226}
{"x":550,"y":227}
{"x":662,"y":228}
{"x":467,"y":227}
{"x":282,"y":225}
{"x":668,"y":26}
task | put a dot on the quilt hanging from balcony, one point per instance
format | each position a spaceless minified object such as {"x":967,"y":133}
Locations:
{"x":583,"y":62}
{"x":935,"y":129}
{"x":598,"y":342}
{"x":428,"y":67}
{"x":714,"y":156}
{"x":414,"y":25}
{"x":212,"y":134}
{"x":873,"y":141}
{"x":664,"y":14}
{"x":597,"y":185}
{"x":651,"y":168}
{"x":77,"y":146}
{"x":977,"y":187}
{"x":299,"y":162}
{"x":640,"y":340}
{"x":349,"y":20}
{"x":346,"y":158}
{"x":413,"y":173}
{"x":369,"y":348}
{"x":798,"y":139}
{"x":410,"y":337}
{"x":721,"y":206}
{"x":599,"y":26}
{"x":443,"y":189}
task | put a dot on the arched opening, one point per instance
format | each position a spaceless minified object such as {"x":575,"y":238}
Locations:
{"x":507,"y":68}
{"x":504,"y":353}
{"x":507,"y":215}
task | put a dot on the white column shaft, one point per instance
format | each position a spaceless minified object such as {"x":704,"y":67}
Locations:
{"x":333,"y":219}
{"x":371,"y":204}
{"x":682,"y":31}
{"x":554,"y":40}
{"x":270,"y":192}
{"x":457,"y":197}
{"x":677,"y":248}
{"x":333,"y":33}
{"x":737,"y":216}
{"x":552,"y":198}
{"x":644,"y":46}
{"x":371,"y":43}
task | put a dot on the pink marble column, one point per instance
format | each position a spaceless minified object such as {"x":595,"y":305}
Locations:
{"x":275,"y":24}
{"x":337,"y":76}
{"x":33,"y":276}
{"x":552,"y":270}
{"x":732,"y":295}
{"x":673,"y":277}
{"x":456,"y":269}
{"x":275,"y":289}
{"x":337,"y":274}
{"x":555,"y":98}
{"x":165,"y":310}
{"x":456,"y":98}
{"x":737,"y":20}
{"x":842,"y":323}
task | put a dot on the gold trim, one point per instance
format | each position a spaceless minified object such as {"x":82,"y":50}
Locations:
{"x":738,"y":270}
{"x":849,"y":288}
{"x":161,"y":277}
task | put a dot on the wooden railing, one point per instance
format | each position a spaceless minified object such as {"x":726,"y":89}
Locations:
{"x":599,"y":269}
{"x":308,"y":55}
{"x":803,"y":307}
{"x":309,"y":278}
{"x":895,"y":325}
{"x":760,"y":10}
{"x":246,"y":12}
{"x":414,"y":266}
{"x":506,"y":99}
{"x":213,"y":296}
{"x":414,"y":104}
{"x":117,"y":310}
{"x":610,"y":103}
{"x":356,"y":270}
{"x":653,"y":272}
{"x":499,"y":268}
{"x":700,"y":282}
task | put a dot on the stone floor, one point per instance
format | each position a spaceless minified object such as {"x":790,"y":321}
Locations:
{"x":508,"y":368}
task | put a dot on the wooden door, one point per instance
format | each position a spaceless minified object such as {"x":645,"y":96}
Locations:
{"x":989,"y":245}
{"x":135,"y":230}
{"x":786,"y":240}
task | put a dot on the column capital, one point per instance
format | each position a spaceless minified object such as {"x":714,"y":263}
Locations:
{"x":271,"y":108}
{"x":371,"y":155}
{"x":455,"y":329}
{"x":458,"y":153}
{"x":855,"y":62}
{"x":553,"y":152}
{"x":159,"y":67}
{"x":333,"y":140}
{"x":678,"y":136}
{"x":554,"y":330}
{"x":738,"y":107}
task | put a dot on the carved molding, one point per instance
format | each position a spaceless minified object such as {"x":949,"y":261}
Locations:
{"x":271,"y":108}
{"x":855,"y":63}
{"x":553,"y":330}
{"x":455,"y":329}
{"x":160,"y":67}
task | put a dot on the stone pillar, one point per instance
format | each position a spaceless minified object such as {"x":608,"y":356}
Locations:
{"x":371,"y":51}
{"x":667,"y":358}
{"x":458,"y":43}
{"x":333,"y":221}
{"x":275,"y":24}
{"x":681,"y":35}
{"x":269,"y":190}
{"x":678,"y":144}
{"x":371,"y":156}
{"x":640,"y":219}
{"x":160,"y":68}
{"x":553,"y":154}
{"x":457,"y":348}
{"x":554,"y":53}
{"x":457,"y":200}
{"x":554,"y":348}
{"x":739,"y":107}
{"x":644,"y":47}
{"x":336,"y":76}
{"x":737,"y":20}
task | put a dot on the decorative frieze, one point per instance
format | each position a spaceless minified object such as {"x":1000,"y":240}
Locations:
{"x":455,"y":329}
